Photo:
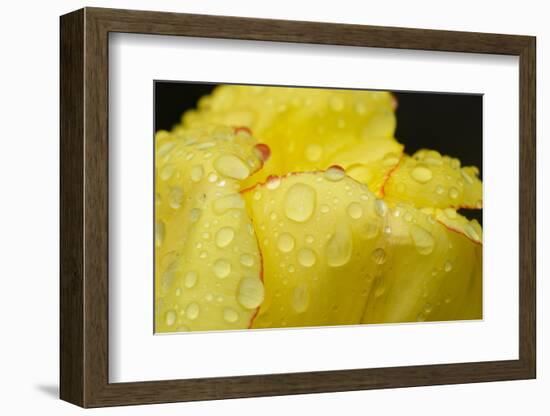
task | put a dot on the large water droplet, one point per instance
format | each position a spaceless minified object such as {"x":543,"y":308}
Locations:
{"x":300,"y":298}
{"x":379,"y":255}
{"x":339,"y":246}
{"x":227,"y":202}
{"x":300,"y":202}
{"x":192,"y":311}
{"x":197,"y":172}
{"x":422,"y":239}
{"x":190,"y":279}
{"x":222,"y":268}
{"x":422,"y":174}
{"x":306,"y":257}
{"x":285,"y":243}
{"x":355,"y":211}
{"x":334,"y":174}
{"x":250,"y":293}
{"x":176,"y":197}
{"x":230,"y":315}
{"x":171,"y":317}
{"x":232,"y":167}
{"x":224,"y":236}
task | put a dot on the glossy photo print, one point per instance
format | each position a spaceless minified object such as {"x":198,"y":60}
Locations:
{"x":285,"y":207}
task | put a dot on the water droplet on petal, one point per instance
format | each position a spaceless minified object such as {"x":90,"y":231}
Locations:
{"x":440,"y":190}
{"x":190,"y":279}
{"x":391,"y":159}
{"x":257,"y":195}
{"x":197,"y":172}
{"x":422,"y":174}
{"x":247,"y":260}
{"x":230,"y":315}
{"x":285,"y":243}
{"x":192,"y":311}
{"x":450,"y":213}
{"x":224,"y":236}
{"x":195,"y":214}
{"x":380,"y":208}
{"x":232,"y":167}
{"x":212,"y":177}
{"x":250,"y":293}
{"x":171,"y":317}
{"x":222,"y":268}
{"x":306,"y":257}
{"x":300,"y":298}
{"x":339,"y":247}
{"x":167,"y":172}
{"x":176,"y":197}
{"x":310,"y":239}
{"x":448,"y":266}
{"x":273,"y":182}
{"x":300,"y":202}
{"x":453,"y":193}
{"x":355,"y":211}
{"x":334,"y":173}
{"x":422,"y":239}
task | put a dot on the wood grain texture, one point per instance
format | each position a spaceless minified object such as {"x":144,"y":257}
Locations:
{"x":84,"y":207}
{"x":71,"y":251}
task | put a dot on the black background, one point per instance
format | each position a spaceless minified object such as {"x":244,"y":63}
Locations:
{"x":448,"y":123}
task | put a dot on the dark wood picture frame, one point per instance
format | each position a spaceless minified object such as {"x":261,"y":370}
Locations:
{"x":84,"y":207}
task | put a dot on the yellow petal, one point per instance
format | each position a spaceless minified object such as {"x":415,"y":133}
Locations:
{"x":307,"y":128}
{"x":207,"y":262}
{"x":428,"y":179}
{"x":433,"y":272}
{"x":321,"y":242}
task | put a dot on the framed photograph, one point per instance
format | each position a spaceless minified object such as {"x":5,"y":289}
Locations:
{"x":255,"y":207}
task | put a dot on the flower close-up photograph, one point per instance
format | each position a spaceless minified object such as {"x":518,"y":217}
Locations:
{"x":301,"y":207}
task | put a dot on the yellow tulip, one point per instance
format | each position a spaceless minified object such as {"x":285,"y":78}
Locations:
{"x":338,"y":226}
